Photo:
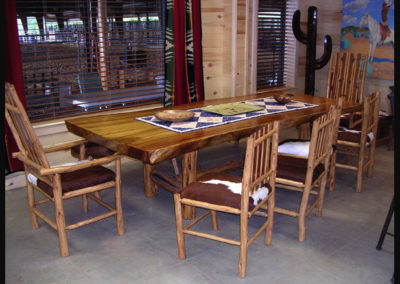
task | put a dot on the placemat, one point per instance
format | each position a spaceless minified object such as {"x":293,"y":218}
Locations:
{"x":203,"y":119}
{"x":232,"y":108}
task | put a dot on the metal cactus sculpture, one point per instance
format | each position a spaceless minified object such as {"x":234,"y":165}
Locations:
{"x":310,"y":40}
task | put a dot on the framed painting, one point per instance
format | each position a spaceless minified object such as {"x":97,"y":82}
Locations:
{"x":368,"y":28}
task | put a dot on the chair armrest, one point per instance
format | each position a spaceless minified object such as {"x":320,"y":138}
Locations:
{"x":67,"y":169}
{"x":27,"y":161}
{"x":64,"y":146}
{"x":292,"y":155}
{"x":352,"y":122}
{"x":347,"y":143}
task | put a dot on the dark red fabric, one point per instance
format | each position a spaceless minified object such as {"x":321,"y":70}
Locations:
{"x":196,"y":11}
{"x":180,"y":96}
{"x":80,"y":179}
{"x":13,"y":74}
{"x":181,"y":80}
{"x":294,"y":168}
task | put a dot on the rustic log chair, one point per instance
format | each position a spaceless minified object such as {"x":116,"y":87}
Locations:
{"x":309,"y":170}
{"x":253,"y":194}
{"x":359,"y":142}
{"x":346,"y":77}
{"x":301,"y":146}
{"x":62,"y":181}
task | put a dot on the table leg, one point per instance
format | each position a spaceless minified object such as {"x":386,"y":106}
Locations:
{"x":189,"y":170}
{"x":150,"y":188}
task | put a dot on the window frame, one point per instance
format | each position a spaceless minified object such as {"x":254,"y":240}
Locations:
{"x":136,"y":95}
{"x":290,"y":50}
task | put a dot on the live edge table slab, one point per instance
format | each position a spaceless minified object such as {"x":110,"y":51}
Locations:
{"x":124,"y":134}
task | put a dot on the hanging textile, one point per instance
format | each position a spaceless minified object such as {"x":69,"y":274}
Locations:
{"x":183,"y":55}
{"x":13,"y":75}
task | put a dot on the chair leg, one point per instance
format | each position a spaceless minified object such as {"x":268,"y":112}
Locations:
{"x":360,"y":170}
{"x":332,"y":172}
{"x":321,"y":196}
{"x":59,"y":216}
{"x":31,"y":204}
{"x":214,"y":220}
{"x":270,"y":213}
{"x":370,"y":170}
{"x":85,"y":203}
{"x":302,"y":213}
{"x":180,"y":238}
{"x":243,"y":245}
{"x":302,"y":227}
{"x":118,"y":203}
{"x":175,"y":166}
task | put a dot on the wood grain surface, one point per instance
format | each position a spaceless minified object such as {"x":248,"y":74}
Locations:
{"x":151,"y":144}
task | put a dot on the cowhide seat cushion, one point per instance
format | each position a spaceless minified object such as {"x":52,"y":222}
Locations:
{"x":353,"y":135}
{"x":382,"y":119}
{"x":78,"y":179}
{"x":295,"y":147}
{"x":345,"y":120}
{"x":222,"y":189}
{"x":349,"y":135}
{"x":92,"y":150}
{"x":294,"y":168}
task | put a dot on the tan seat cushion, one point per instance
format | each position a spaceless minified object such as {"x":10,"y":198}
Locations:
{"x":80,"y":179}
{"x":216,"y":193}
{"x":295,"y":168}
{"x":93,"y":150}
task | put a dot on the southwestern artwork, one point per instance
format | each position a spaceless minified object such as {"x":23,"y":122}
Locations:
{"x":368,"y":28}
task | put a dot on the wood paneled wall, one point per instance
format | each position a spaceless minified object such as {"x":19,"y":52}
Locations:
{"x":227,"y":27}
{"x":213,"y":29}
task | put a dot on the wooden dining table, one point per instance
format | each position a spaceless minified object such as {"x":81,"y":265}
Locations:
{"x":123,"y":133}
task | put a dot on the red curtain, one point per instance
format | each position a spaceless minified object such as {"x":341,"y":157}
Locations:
{"x":198,"y":54}
{"x":184,"y":67}
{"x":13,"y":74}
{"x":180,"y":96}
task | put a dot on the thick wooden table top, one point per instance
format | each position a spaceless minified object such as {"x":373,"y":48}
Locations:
{"x":128,"y":136}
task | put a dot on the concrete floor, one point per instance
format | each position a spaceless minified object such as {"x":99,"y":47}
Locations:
{"x":339,"y":246}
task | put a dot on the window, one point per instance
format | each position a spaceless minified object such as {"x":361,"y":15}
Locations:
{"x":276,"y":44}
{"x":87,"y":56}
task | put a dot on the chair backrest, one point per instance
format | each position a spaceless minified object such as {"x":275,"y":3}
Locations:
{"x":346,"y":76}
{"x":371,"y":107}
{"x":321,"y":141}
{"x":20,"y":125}
{"x":261,"y":159}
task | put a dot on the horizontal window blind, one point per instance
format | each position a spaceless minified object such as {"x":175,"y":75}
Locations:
{"x":276,"y":43}
{"x":83,"y":56}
